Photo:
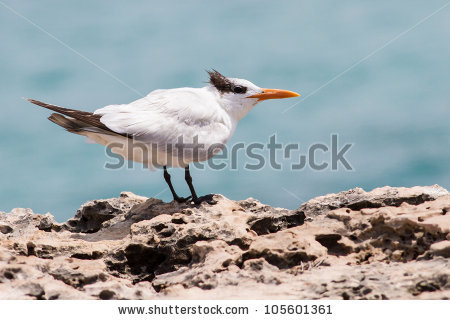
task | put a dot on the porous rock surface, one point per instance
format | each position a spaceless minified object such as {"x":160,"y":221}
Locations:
{"x":389,"y":243}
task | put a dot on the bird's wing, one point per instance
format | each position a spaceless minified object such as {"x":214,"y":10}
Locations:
{"x":164,"y":115}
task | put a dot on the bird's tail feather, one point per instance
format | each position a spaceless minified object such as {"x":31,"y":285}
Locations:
{"x":70,"y":125}
{"x":74,"y":125}
{"x":76,"y":121}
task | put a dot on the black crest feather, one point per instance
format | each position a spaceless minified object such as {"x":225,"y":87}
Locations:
{"x":219,"y":81}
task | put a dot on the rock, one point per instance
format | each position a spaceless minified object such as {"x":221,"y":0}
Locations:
{"x":357,"y":199}
{"x":389,"y":243}
{"x":441,"y":248}
{"x":90,"y":217}
{"x":23,"y":221}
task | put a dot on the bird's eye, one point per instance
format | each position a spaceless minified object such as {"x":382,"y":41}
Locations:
{"x":239,"y":89}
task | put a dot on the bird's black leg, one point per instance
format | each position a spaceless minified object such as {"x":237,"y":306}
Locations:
{"x":195,"y":199}
{"x":175,"y":196}
{"x":188,"y":178}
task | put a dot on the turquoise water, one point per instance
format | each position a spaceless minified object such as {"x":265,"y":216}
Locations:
{"x":394,"y":106}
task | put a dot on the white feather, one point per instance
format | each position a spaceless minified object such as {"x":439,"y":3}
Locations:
{"x":163,"y":117}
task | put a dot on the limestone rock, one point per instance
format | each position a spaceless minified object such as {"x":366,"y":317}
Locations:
{"x":389,"y":243}
{"x":357,"y":199}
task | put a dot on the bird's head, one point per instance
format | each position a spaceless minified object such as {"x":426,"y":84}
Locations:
{"x":239,"y":96}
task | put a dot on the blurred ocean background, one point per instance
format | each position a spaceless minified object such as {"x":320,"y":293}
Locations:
{"x":394,"y":105}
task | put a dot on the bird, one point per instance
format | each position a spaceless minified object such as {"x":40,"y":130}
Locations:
{"x":170,"y":127}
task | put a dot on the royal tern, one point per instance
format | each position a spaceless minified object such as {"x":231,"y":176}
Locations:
{"x":172,"y":127}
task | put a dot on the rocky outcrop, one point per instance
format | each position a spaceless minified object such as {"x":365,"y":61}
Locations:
{"x":389,"y":243}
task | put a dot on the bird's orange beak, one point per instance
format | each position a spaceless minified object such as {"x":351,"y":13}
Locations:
{"x":274,"y":94}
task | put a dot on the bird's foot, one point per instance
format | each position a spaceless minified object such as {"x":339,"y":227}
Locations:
{"x":182,"y":200}
{"x":208,"y":199}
